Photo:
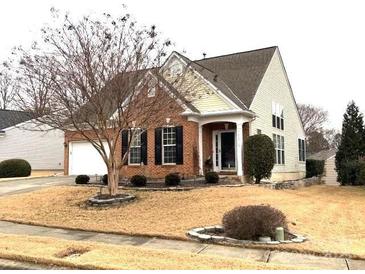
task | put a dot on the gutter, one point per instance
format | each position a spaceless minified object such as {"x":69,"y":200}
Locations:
{"x":229,"y":112}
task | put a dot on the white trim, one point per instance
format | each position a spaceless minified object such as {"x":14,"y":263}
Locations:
{"x":139,"y":87}
{"x":219,"y":93}
{"x":163,"y":148}
{"x":218,"y":133}
{"x":221,"y":112}
{"x":130,"y":146}
{"x":200,"y":147}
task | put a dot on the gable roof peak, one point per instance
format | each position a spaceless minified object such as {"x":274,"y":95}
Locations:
{"x":237,"y":53}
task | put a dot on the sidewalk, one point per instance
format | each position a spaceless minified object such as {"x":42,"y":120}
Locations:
{"x":261,"y":255}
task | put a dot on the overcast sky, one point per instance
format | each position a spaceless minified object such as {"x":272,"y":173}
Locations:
{"x":322,"y":42}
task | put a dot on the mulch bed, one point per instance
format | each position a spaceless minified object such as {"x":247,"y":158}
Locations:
{"x":184,"y":184}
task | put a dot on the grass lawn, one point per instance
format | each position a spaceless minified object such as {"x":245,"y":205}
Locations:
{"x":104,"y":256}
{"x":331,"y":217}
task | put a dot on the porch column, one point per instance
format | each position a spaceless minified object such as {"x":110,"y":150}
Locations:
{"x":200,"y":144}
{"x":239,"y":148}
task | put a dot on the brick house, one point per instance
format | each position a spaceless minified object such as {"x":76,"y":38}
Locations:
{"x":245,"y":93}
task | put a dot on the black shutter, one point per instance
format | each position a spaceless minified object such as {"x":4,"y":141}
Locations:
{"x":125,"y":145}
{"x":158,"y":146}
{"x":179,"y":145}
{"x":144,"y":147}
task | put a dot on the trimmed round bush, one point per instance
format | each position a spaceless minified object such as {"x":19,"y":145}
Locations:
{"x":172,"y":179}
{"x":252,"y":222}
{"x":211,"y":177}
{"x":104,"y":179}
{"x":139,"y":180}
{"x":260,"y":156}
{"x":82,"y":179}
{"x":15,"y":168}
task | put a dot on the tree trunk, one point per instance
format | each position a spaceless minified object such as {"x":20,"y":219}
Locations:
{"x":113,"y":177}
{"x":257,"y":180}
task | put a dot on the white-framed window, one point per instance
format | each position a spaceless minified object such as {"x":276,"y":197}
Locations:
{"x":151,"y":92}
{"x":176,"y":68}
{"x":279,"y":149}
{"x":169,"y":145}
{"x":135,"y":147}
{"x":301,"y":150}
{"x":277,"y":116}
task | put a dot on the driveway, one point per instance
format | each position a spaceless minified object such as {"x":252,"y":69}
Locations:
{"x":31,"y":184}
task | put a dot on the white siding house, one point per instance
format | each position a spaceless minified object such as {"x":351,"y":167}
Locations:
{"x":275,"y":93}
{"x":44,"y":150}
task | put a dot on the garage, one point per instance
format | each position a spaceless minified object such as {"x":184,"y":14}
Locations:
{"x":85,"y":159}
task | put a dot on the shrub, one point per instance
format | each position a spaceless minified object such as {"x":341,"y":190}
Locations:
{"x":260,"y":155}
{"x":361,"y":178}
{"x":251,"y":222}
{"x":82,"y":179}
{"x":139,"y":180}
{"x":211,"y":177}
{"x":104,"y":179}
{"x":314,"y":168}
{"x":172,"y":179}
{"x":15,"y":168}
{"x":352,"y":173}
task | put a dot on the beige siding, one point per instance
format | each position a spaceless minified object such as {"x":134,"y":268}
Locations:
{"x":43,"y":150}
{"x":330,"y":174}
{"x":202,"y":95}
{"x":275,"y":88}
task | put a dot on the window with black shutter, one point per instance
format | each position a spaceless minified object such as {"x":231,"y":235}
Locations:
{"x":125,"y":145}
{"x":158,"y":146}
{"x":179,"y":145}
{"x":144,"y":147}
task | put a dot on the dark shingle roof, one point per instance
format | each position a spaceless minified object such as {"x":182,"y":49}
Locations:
{"x":215,"y":80}
{"x":9,"y":118}
{"x":323,"y":155}
{"x":241,"y":72}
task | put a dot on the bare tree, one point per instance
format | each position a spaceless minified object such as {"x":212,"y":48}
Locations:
{"x":313,"y":118}
{"x":92,"y":78}
{"x":7,"y":89}
{"x":333,"y":137}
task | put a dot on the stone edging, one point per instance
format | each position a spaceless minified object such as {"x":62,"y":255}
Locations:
{"x":178,"y":188}
{"x":105,"y":202}
{"x":202,"y":234}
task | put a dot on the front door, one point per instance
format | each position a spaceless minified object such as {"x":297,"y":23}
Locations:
{"x":224,"y":151}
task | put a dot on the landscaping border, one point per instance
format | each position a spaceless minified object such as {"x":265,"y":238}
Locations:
{"x":203,"y":234}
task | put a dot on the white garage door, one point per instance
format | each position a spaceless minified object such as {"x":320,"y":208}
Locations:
{"x":85,"y":159}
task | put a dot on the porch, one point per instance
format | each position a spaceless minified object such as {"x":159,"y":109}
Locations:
{"x":222,"y":147}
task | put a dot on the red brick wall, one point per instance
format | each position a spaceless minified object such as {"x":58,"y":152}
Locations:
{"x":190,"y":148}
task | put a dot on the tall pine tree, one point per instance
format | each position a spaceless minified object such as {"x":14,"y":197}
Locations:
{"x":352,"y":146}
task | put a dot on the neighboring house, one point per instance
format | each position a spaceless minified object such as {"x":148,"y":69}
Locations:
{"x":44,"y":150}
{"x":244,"y":94}
{"x":329,"y":158}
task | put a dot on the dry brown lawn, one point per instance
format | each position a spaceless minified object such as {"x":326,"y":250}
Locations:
{"x":331,"y":217}
{"x":105,"y":256}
